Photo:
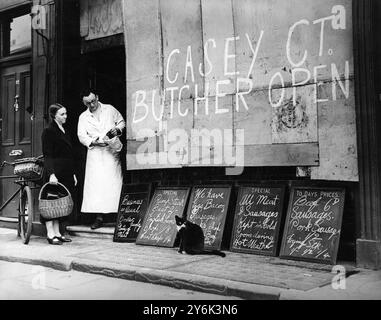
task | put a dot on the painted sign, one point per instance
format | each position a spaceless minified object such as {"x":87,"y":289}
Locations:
{"x":240,"y":83}
{"x":257,"y":219}
{"x":101,"y":18}
{"x":313,"y":224}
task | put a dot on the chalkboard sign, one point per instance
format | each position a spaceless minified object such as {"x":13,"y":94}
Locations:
{"x":313,"y":224}
{"x":257,"y":219}
{"x":159,"y":226}
{"x":208,"y":207}
{"x":132,"y":209}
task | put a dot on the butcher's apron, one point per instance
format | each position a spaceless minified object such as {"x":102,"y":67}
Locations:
{"x":103,"y":181}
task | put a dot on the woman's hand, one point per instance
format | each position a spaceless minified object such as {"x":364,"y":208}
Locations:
{"x":75,"y":180}
{"x":53,"y":179}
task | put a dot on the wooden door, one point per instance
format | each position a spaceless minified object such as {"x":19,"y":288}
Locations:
{"x":15,"y":125}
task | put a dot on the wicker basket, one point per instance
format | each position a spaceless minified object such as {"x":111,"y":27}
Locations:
{"x":56,"y":208}
{"x":29,"y":168}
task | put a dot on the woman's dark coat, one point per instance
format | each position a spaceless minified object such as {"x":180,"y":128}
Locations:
{"x":58,"y":158}
{"x":58,"y":153}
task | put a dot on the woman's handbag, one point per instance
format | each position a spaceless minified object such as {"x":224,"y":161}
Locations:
{"x":55,"y":204}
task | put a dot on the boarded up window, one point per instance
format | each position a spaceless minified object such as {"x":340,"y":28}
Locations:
{"x":241,"y":82}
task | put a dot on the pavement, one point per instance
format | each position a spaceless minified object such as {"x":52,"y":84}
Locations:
{"x":245,"y":276}
{"x":30,"y":282}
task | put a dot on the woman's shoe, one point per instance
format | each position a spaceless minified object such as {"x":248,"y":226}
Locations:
{"x":54,"y":241}
{"x":63,"y":239}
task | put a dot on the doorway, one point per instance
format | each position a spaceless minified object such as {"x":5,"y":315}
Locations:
{"x":104,"y":71}
{"x":16,"y":129}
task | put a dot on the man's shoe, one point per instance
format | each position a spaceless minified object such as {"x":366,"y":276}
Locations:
{"x":97,"y":224}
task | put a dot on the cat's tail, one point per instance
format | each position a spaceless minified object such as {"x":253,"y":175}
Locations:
{"x":216,"y":252}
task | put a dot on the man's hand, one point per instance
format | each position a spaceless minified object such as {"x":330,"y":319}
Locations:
{"x":96,"y":143}
{"x":115,"y":132}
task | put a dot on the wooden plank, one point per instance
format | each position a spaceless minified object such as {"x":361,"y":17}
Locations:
{"x":337,"y":135}
{"x":256,"y":119}
{"x":182,"y":46}
{"x":178,"y":132}
{"x":84,"y":18}
{"x":135,"y":163}
{"x":275,"y":18}
{"x":104,"y":18}
{"x":212,"y":121}
{"x":143,"y":56}
{"x":300,"y":154}
{"x":217,"y":21}
{"x":295,"y":120}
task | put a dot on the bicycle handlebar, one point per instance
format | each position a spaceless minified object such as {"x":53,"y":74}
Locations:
{"x":13,"y":163}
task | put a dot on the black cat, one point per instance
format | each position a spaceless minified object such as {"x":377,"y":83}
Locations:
{"x":192,"y":238}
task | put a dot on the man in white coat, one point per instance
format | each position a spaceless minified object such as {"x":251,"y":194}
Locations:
{"x":98,"y":129}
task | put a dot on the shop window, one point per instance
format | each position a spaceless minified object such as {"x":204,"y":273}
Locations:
{"x":20,"y":34}
{"x":16,"y":32}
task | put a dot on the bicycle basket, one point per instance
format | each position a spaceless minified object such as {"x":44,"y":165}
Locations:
{"x":29,"y":168}
{"x":54,"y":208}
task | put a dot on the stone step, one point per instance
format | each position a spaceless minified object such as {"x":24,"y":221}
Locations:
{"x":106,"y":232}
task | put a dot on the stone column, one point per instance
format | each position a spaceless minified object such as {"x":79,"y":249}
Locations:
{"x":368,"y":244}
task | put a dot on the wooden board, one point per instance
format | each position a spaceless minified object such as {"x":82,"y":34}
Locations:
{"x":295,"y":120}
{"x":337,"y":135}
{"x":258,"y":52}
{"x":313,"y":224}
{"x":143,"y":61}
{"x":101,"y":18}
{"x":159,"y":226}
{"x":132,"y":209}
{"x":217,"y":22}
{"x":257,"y":219}
{"x":256,"y":119}
{"x":275,"y":18}
{"x":208,"y":207}
{"x":183,"y":47}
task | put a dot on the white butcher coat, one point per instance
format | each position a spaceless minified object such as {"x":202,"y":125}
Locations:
{"x":103,"y":177}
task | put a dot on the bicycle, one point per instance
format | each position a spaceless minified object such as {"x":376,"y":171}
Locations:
{"x":28,"y":172}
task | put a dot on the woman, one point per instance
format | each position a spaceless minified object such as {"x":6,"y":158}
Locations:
{"x":58,"y":163}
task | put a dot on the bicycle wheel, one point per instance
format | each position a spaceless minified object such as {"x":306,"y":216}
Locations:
{"x":26,"y":214}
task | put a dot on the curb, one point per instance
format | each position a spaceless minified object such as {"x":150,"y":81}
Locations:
{"x":179,"y":280}
{"x":61,"y":264}
{"x":173,"y":279}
